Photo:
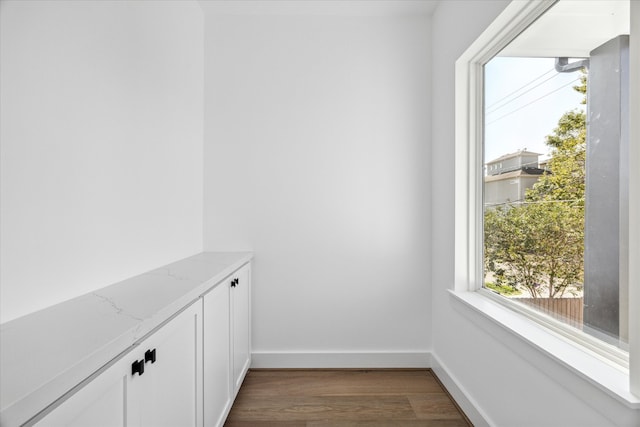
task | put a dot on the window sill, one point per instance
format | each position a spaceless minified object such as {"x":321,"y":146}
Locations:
{"x":614,"y":381}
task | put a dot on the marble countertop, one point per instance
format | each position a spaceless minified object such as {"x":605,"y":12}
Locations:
{"x":45,"y":354}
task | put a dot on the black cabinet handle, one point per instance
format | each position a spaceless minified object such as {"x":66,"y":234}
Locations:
{"x":234,"y":282}
{"x":150,"y":355}
{"x":137,"y":367}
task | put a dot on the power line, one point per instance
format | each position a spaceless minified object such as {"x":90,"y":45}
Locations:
{"x":520,"y":88}
{"x":522,"y":94}
{"x":535,"y":100}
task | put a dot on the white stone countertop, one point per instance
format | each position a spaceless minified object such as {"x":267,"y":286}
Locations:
{"x":45,"y":354}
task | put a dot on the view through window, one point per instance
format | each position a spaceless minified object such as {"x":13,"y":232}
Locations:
{"x":555,"y":195}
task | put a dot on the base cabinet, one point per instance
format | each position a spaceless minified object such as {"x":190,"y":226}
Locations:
{"x":241,"y":326}
{"x":101,"y":403}
{"x":227,"y":344}
{"x":168,"y":393}
{"x":187,"y":373}
{"x":156,"y":384}
{"x":217,"y":355}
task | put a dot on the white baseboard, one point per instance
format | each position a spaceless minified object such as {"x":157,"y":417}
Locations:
{"x":462,"y":398}
{"x":328,"y":360}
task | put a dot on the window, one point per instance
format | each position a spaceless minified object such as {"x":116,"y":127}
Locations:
{"x":544,"y":185}
{"x":537,"y":250}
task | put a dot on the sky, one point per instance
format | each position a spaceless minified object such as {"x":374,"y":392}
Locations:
{"x":524,"y":98}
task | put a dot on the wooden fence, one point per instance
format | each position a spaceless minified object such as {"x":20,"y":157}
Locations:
{"x":568,"y":310}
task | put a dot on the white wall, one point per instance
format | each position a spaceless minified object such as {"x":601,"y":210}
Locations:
{"x":510,"y":383}
{"x":101,"y":144}
{"x":317,"y":158}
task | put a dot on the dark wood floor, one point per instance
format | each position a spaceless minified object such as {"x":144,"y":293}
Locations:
{"x":305,"y":398}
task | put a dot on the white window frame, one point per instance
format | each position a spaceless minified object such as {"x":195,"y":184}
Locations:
{"x":469,"y":81}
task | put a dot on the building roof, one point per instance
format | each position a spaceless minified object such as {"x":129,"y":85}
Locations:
{"x":512,"y":155}
{"x":520,"y":173}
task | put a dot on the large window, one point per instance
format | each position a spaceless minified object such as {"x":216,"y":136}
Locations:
{"x":554,"y":154}
{"x":544,"y":167}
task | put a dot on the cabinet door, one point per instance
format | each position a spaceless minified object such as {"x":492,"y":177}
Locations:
{"x":102,"y":402}
{"x":169,"y":393}
{"x":217,"y":359}
{"x":241,"y":326}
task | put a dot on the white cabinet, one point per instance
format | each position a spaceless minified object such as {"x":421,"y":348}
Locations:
{"x":168,"y":393}
{"x":101,"y":403}
{"x":185,"y":373}
{"x":164,"y":390}
{"x":240,"y":325}
{"x":217,"y":355}
{"x":227,"y":343}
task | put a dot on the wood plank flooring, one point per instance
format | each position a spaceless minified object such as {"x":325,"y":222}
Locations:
{"x":344,"y":398}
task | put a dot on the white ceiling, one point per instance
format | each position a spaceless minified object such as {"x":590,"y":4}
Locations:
{"x":572,"y":28}
{"x":320,"y":7}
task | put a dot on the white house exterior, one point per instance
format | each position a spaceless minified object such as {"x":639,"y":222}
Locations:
{"x":508,"y":177}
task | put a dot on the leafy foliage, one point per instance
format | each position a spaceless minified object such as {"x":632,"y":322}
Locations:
{"x":565,"y":178}
{"x":537,"y":246}
{"x":502,"y":289}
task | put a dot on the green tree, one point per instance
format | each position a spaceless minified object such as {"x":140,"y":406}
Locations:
{"x":564,"y":179}
{"x":538,"y":245}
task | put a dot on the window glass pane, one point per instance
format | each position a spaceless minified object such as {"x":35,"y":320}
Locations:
{"x":555,"y":138}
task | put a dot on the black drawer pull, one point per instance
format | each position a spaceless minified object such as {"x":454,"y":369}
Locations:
{"x":137,"y":367}
{"x":150,"y":355}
